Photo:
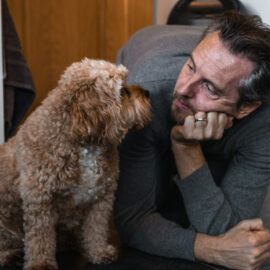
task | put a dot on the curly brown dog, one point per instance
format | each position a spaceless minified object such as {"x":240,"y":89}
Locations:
{"x":61,"y":169}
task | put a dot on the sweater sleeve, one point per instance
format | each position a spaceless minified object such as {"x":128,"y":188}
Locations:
{"x":214,"y":209}
{"x":136,"y":217}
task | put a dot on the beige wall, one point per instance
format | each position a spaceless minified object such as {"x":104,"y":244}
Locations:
{"x":258,"y":7}
{"x":162,"y":10}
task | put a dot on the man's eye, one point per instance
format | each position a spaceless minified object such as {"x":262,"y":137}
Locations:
{"x":190,"y":67}
{"x":209,"y":89}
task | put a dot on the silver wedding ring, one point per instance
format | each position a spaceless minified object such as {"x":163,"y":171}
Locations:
{"x":200,"y":119}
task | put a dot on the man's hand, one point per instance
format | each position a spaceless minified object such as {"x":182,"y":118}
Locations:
{"x":201,"y":126}
{"x":244,"y":247}
{"x":186,"y":139}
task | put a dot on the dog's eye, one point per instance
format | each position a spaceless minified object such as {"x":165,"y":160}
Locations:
{"x":124,"y":91}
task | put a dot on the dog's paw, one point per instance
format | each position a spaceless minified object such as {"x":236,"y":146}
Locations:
{"x":11,"y":258}
{"x":104,"y":255}
{"x":41,"y":266}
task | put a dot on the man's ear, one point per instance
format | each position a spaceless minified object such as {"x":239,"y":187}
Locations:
{"x":246,"y":108}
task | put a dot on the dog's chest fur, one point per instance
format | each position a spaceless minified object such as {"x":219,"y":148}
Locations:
{"x":92,"y":183}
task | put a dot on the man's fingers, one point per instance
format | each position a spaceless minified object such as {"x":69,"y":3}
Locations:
{"x":211,"y":124}
{"x":259,"y":254}
{"x":265,"y":247}
{"x":262,"y":238}
{"x":255,"y":224}
{"x":201,"y":126}
{"x":177,"y":133}
{"x":200,"y":117}
{"x":262,"y":259}
{"x":188,"y":127}
{"x":220,"y":124}
{"x":200,"y":123}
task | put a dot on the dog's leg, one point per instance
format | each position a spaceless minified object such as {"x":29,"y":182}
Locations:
{"x":40,"y":238}
{"x":11,"y":247}
{"x":96,"y":231}
{"x":11,"y":258}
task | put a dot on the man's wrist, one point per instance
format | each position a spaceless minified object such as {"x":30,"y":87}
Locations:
{"x":206,"y":248}
{"x":188,"y":158}
{"x":185,"y":144}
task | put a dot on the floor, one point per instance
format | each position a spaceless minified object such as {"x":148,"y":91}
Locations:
{"x":130,"y":259}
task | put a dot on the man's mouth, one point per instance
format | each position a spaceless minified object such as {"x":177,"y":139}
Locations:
{"x":182,"y":105}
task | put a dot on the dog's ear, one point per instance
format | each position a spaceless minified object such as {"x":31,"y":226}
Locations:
{"x":84,"y":116}
{"x":96,"y":116}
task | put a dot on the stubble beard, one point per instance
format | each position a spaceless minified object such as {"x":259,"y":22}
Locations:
{"x":179,"y":114}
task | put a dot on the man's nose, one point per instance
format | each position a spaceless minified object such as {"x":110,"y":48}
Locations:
{"x":187,"y":89}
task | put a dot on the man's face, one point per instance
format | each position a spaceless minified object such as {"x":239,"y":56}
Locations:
{"x":209,"y":80}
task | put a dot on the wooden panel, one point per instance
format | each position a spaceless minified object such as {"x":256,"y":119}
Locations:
{"x":37,"y":45}
{"x":75,"y":31}
{"x":140,"y":14}
{"x":55,"y":33}
{"x":116,"y":26}
{"x":122,"y":19}
{"x":33,"y":24}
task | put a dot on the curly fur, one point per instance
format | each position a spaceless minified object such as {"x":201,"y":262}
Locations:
{"x":59,"y":172}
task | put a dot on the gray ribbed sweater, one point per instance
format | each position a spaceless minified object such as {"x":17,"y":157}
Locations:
{"x":149,"y":211}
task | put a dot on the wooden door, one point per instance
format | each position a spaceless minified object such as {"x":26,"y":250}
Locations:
{"x":55,"y":33}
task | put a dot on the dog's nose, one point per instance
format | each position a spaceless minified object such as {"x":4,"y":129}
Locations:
{"x":146,"y":93}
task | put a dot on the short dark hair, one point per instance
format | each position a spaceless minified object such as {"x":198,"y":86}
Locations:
{"x":247,"y":36}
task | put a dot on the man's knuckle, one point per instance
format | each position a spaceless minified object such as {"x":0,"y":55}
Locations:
{"x":256,"y":253}
{"x":253,"y":241}
{"x":189,"y":135}
{"x":198,"y":136}
{"x":242,"y":222}
{"x":253,"y":263}
{"x":189,"y":117}
{"x":251,"y":267}
{"x":212,"y":114}
{"x":222,"y":116}
{"x":219,"y":135}
{"x":260,"y":221}
{"x":209,"y":133}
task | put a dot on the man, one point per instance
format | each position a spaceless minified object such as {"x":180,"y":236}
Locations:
{"x":214,"y":118}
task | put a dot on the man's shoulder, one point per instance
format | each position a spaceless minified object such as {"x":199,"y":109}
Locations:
{"x":247,"y":134}
{"x":156,"y":39}
{"x":158,"y":52}
{"x":252,"y":130}
{"x":257,"y":120}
